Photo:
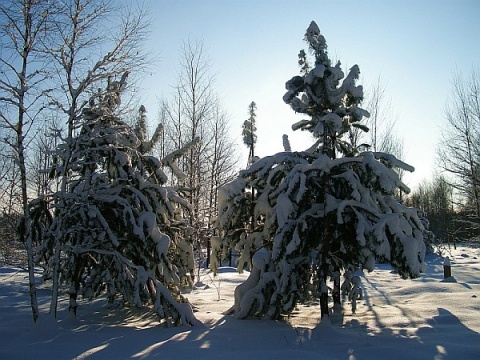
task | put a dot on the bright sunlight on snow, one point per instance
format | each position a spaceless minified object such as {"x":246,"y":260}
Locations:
{"x":425,"y":318}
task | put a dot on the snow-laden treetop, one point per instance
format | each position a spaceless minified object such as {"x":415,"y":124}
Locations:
{"x":327,"y":96}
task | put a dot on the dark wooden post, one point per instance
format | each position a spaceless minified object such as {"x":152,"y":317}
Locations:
{"x":447,"y":269}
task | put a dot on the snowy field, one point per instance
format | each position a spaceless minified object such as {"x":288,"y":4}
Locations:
{"x":427,"y":318}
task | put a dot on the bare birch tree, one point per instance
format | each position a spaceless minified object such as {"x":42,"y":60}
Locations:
{"x":221,"y":169}
{"x":87,"y":50}
{"x":41,"y":158}
{"x":382,"y":122}
{"x":194,"y":112}
{"x":22,"y":25}
{"x":382,"y":136}
{"x":459,"y":150}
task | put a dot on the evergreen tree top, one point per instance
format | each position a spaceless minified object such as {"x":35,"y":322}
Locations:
{"x":317,"y":44}
{"x":323,"y":93}
{"x":249,"y":128}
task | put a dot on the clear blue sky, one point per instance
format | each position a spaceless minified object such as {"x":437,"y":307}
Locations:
{"x":415,"y":47}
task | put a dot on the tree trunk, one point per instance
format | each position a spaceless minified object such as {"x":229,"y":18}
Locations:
{"x":209,"y":250}
{"x":31,"y":273}
{"x":336,"y":287}
{"x":323,"y":298}
{"x":323,"y":291}
{"x":25,"y":235}
{"x":74,"y":287}
{"x":55,"y":278}
{"x":72,"y":307}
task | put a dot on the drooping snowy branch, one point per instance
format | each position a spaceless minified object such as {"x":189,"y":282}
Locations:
{"x":170,"y":159}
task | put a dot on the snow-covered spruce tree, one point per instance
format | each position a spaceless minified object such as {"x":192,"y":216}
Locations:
{"x":321,"y":211}
{"x":116,"y":225}
{"x":249,"y":131}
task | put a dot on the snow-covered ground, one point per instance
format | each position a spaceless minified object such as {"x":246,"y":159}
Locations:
{"x":427,"y":318}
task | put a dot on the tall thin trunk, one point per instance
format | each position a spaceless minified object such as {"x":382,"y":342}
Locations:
{"x":336,"y":287}
{"x":25,"y":235}
{"x":31,"y":272}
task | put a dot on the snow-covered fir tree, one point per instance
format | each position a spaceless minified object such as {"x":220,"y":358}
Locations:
{"x":322,"y":211}
{"x":116,"y":229}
